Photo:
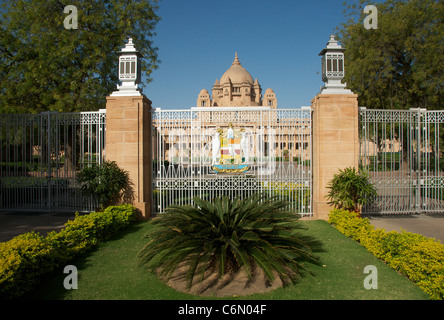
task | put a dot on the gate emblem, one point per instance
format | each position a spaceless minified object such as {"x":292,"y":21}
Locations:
{"x":231,"y":150}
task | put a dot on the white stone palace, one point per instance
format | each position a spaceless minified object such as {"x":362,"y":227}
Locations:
{"x":236,"y":88}
{"x":238,"y":97}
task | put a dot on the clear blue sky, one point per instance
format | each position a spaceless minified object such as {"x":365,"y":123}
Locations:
{"x":277,"y":41}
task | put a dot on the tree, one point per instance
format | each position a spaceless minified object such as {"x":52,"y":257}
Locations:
{"x":398,"y":65}
{"x":45,"y":67}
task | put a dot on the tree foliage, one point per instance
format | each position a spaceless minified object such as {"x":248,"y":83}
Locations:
{"x":44,"y":66}
{"x":398,"y":65}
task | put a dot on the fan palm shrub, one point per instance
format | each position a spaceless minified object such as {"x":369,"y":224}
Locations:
{"x":226,"y":235}
{"x":350,"y":189}
{"x":106,"y":183}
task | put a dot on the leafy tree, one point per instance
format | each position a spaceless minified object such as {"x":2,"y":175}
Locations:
{"x":398,"y":65}
{"x":44,"y":66}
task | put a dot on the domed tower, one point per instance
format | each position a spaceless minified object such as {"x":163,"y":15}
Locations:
{"x":270,"y":99}
{"x":236,"y":88}
{"x":204,"y":99}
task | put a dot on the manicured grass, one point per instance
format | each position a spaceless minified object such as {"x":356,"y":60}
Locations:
{"x":111,"y":272}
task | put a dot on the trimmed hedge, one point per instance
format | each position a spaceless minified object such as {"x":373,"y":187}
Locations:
{"x":25,"y":258}
{"x":419,"y":258}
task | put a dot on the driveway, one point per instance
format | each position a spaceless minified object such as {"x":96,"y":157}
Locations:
{"x":430,"y":225}
{"x":15,"y":223}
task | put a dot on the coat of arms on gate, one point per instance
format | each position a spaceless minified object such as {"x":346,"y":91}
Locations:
{"x":230,"y":150}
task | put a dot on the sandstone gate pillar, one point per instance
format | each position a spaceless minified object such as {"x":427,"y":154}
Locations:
{"x":335,"y":127}
{"x":129,"y":129}
{"x":128,"y":143}
{"x":335,"y":143}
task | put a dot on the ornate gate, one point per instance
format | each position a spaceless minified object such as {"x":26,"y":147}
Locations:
{"x":210,"y":152}
{"x":402,"y":151}
{"x":41,"y":155}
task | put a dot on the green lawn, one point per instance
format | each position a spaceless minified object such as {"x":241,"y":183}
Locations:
{"x":111,"y":272}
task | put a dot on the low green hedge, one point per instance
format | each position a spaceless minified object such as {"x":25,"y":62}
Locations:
{"x":419,"y":258}
{"x":25,"y":258}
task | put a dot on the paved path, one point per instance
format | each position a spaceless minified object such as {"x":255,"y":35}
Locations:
{"x":429,"y":225}
{"x":15,"y":223}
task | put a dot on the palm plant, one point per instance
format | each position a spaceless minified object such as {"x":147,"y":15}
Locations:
{"x":226,"y":235}
{"x":106,"y":183}
{"x":350,"y":188}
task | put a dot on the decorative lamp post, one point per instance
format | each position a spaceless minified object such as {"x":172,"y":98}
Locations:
{"x":333,"y":70}
{"x":129,"y":71}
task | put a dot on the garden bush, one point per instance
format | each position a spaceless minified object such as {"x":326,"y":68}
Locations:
{"x":226,"y":235}
{"x":106,"y":183}
{"x":350,"y":188}
{"x":25,"y":258}
{"x":419,"y":258}
{"x":22,"y":260}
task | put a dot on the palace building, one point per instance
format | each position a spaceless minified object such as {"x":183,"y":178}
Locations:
{"x":263,"y":130}
{"x":236,"y":88}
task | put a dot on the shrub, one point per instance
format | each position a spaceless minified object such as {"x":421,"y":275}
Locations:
{"x":106,"y":183}
{"x":22,"y":260}
{"x":349,"y":189}
{"x":419,"y":258}
{"x":226,"y":235}
{"x":25,"y":258}
{"x":86,"y":231}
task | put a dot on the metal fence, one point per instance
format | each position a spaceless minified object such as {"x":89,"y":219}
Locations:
{"x":402,"y":151}
{"x":41,"y":155}
{"x":210,"y":152}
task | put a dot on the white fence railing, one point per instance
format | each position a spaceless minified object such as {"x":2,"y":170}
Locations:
{"x":41,"y":155}
{"x":210,"y":152}
{"x":403,"y":152}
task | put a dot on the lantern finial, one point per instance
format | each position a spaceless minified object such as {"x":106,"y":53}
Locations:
{"x":333,"y":70}
{"x":129,"y":71}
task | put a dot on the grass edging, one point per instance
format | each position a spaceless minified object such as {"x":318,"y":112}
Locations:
{"x":419,"y":258}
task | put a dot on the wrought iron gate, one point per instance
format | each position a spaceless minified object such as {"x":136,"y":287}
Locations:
{"x":210,"y":152}
{"x":402,"y":151}
{"x":41,"y":155}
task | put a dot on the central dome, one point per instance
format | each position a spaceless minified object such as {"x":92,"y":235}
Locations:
{"x":237,"y":74}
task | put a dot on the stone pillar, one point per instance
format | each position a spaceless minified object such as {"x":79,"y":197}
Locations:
{"x":335,"y":143}
{"x":128,"y":143}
